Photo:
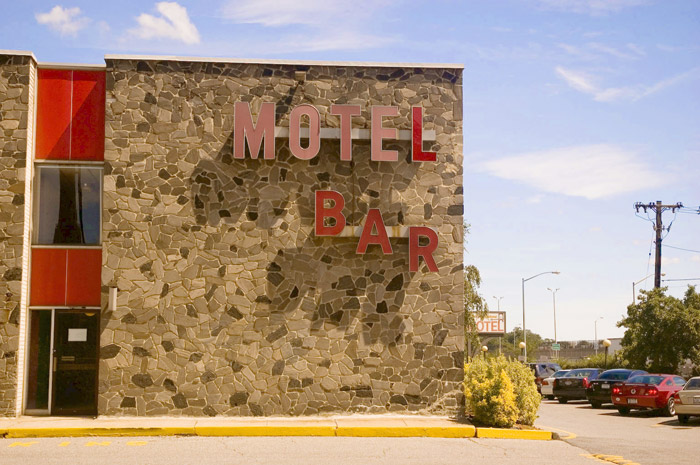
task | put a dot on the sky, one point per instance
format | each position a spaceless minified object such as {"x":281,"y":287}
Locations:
{"x":573,"y":111}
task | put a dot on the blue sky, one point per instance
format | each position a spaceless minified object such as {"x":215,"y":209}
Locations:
{"x":573,"y":111}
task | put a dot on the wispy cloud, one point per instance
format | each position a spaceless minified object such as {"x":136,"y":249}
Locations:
{"x":588,"y":171}
{"x":65,"y":21}
{"x":589,"y":84}
{"x":320,"y":24}
{"x":597,"y":50}
{"x":173,"y":23}
{"x":590,"y":7}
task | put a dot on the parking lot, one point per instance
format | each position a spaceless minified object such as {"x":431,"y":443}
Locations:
{"x":642,"y":437}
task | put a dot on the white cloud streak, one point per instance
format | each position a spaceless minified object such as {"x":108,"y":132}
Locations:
{"x":590,"y":7}
{"x":65,"y":21}
{"x":588,"y":84}
{"x":173,"y":23}
{"x":588,"y":171}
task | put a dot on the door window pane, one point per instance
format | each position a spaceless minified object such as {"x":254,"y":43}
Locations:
{"x":69,"y":205}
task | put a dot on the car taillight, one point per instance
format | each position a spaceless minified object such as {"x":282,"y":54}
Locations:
{"x":585,"y":382}
{"x":616,"y":390}
{"x":652,"y":391}
{"x":545,"y":383}
{"x":677,"y":399}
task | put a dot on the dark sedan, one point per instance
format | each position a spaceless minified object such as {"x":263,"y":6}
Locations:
{"x":599,"y":390}
{"x":572,"y":386}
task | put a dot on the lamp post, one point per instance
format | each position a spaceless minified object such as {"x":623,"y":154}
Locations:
{"x":484,"y":349}
{"x":523,"y":346}
{"x":595,"y":325}
{"x":606,"y":344}
{"x":498,"y":299}
{"x":523,"y":288}
{"x":634,"y":294}
{"x":554,"y":305}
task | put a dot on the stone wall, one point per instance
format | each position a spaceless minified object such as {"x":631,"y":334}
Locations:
{"x":15,"y":73}
{"x":227,"y":302}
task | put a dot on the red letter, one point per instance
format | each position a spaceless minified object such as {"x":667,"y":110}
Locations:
{"x":346,"y":112}
{"x":334,"y":212}
{"x":379,"y":133}
{"x":426,"y":251}
{"x":417,"y":153}
{"x":374,"y":218}
{"x":244,"y":130}
{"x":314,"y":132}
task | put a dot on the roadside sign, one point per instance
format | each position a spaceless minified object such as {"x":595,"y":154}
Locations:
{"x":556,"y":346}
{"x":494,"y":323}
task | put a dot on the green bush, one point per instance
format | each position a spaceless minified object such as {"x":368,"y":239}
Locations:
{"x":500,"y":392}
{"x":595,"y":361}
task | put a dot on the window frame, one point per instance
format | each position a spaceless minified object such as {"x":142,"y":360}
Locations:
{"x":36,"y":208}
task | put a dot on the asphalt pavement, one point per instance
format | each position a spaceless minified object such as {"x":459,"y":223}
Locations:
{"x":642,"y":437}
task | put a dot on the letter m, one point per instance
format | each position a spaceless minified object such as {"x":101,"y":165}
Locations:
{"x":245,"y":131}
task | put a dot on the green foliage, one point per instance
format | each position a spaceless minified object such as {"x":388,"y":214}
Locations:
{"x":662,"y":331}
{"x":500,"y":392}
{"x":511,"y":341}
{"x":474,"y":306}
{"x":594,"y":361}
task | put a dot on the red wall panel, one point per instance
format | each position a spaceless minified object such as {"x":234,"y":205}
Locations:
{"x":48,"y":281}
{"x":84,"y":277}
{"x":53,"y":114}
{"x":88,"y":116}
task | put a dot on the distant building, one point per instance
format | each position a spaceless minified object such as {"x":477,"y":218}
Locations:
{"x":577,"y":350}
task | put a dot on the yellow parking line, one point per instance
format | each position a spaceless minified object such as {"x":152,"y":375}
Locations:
{"x":570,"y":434}
{"x":95,"y":443}
{"x":23,"y":444}
{"x":137,"y":443}
{"x":64,"y":444}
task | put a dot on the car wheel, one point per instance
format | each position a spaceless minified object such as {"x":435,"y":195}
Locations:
{"x":550,"y":397}
{"x":596,"y":404}
{"x":670,"y":409}
{"x":562,"y":401}
{"x":623,"y":410}
{"x":683,"y":419}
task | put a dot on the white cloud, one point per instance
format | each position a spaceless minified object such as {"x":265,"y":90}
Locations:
{"x":588,"y":84}
{"x":173,"y":23}
{"x":65,"y":21}
{"x":590,"y":7}
{"x":589,"y":171}
{"x":695,"y":258}
{"x":320,"y":25}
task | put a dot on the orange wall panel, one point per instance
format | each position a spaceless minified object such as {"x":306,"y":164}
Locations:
{"x":84,"y":277}
{"x":48,"y":281}
{"x":53,"y":114}
{"x":88,"y":116}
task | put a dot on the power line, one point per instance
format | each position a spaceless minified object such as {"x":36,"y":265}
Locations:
{"x":658,"y":208}
{"x":681,"y":248}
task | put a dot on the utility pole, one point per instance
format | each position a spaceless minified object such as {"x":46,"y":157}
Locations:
{"x":658,"y":208}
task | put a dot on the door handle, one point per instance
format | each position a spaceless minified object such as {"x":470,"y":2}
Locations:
{"x":54,"y":363}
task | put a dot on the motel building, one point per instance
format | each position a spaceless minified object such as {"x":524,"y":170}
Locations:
{"x":220,"y":237}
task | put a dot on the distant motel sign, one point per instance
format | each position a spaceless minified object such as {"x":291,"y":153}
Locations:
{"x":494,"y":323}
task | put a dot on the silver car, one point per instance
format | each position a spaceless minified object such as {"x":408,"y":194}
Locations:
{"x":688,"y":400}
{"x":548,"y":384}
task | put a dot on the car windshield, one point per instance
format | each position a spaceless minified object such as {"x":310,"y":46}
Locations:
{"x":579,"y":374}
{"x":693,"y":385}
{"x":645,"y":379}
{"x":560,"y":373}
{"x":615,"y":375}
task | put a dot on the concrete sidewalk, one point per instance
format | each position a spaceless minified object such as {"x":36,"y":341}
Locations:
{"x":347,"y":425}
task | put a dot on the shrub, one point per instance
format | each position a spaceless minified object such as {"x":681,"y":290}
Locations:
{"x":500,"y":392}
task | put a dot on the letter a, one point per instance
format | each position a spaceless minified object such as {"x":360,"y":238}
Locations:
{"x":374,"y":218}
{"x":334,"y":212}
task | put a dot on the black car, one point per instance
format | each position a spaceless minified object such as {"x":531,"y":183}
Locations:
{"x":599,"y":390}
{"x":542,"y":371}
{"x":572,"y":386}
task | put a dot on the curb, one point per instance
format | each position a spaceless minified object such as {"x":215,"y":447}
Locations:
{"x":461,"y":431}
{"x":502,"y":433}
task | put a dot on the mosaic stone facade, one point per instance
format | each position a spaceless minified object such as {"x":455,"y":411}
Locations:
{"x":227,"y":303}
{"x":15,"y":75}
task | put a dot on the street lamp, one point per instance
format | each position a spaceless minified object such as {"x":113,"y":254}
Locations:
{"x":554,"y":304}
{"x":523,"y":346}
{"x":634,"y":294}
{"x":484,"y":349}
{"x":523,"y":287}
{"x":606,"y":344}
{"x":595,"y":325}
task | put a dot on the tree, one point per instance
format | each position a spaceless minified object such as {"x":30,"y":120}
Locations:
{"x":511,"y":343}
{"x":662,"y":331}
{"x":474,"y":307}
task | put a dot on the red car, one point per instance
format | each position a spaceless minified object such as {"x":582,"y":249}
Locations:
{"x":648,"y":391}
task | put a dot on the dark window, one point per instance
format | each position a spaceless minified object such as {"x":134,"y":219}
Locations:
{"x":693,"y":384}
{"x":69,"y":205}
{"x":615,"y":375}
{"x":679,"y":381}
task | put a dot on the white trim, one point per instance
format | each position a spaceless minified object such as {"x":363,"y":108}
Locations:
{"x":71,"y":66}
{"x":51,"y":361}
{"x":22,"y":346}
{"x":21,"y":53}
{"x":366,"y":64}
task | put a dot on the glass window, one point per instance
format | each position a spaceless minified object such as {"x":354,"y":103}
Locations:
{"x":679,"y":381}
{"x":69,"y":203}
{"x":693,"y":384}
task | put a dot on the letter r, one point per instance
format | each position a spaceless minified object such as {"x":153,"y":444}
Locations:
{"x":416,"y":250}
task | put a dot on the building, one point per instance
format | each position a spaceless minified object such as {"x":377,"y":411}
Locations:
{"x":184,"y":236}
